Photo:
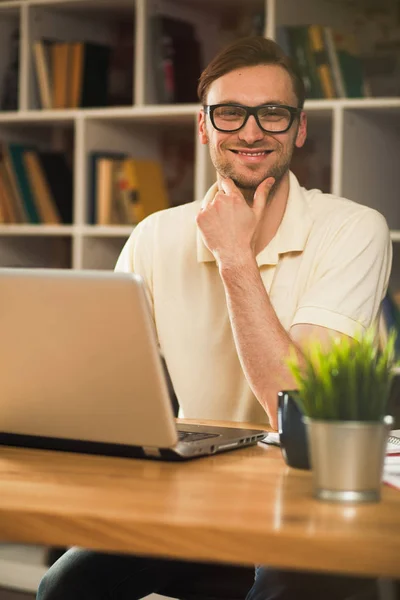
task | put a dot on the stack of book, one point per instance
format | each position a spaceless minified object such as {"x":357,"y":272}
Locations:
{"x":124,"y":190}
{"x":328,"y":60}
{"x":35,"y":186}
{"x":72,"y":75}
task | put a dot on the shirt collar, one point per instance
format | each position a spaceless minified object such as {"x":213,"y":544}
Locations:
{"x":292,"y":233}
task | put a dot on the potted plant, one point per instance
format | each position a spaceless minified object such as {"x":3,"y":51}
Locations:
{"x":343,"y":394}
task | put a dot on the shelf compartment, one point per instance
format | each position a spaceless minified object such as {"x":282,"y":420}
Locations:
{"x":161,"y":139}
{"x":370,"y":171}
{"x":312,"y":163}
{"x":93,"y":23}
{"x":102,"y":252}
{"x":181,"y":39}
{"x":36,"y":251}
{"x":23,"y":202}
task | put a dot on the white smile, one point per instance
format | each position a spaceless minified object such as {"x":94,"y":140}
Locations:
{"x":264,"y":153}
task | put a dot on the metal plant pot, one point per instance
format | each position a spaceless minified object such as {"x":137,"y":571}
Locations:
{"x":347,"y":458}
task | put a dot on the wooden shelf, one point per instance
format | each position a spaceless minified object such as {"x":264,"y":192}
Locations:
{"x":356,"y":140}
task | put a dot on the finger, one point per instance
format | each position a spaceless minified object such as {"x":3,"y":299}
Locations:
{"x":261,"y":195}
{"x":225,"y":184}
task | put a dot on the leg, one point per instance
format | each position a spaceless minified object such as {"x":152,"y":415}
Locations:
{"x":273,"y":584}
{"x":86,"y":575}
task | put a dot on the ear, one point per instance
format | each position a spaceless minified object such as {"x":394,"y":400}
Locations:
{"x":202,"y":131}
{"x":302,"y":131}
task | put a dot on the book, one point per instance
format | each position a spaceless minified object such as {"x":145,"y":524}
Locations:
{"x":350,"y":62}
{"x":177,"y":59}
{"x":9,"y":90}
{"x":94,"y":158}
{"x":316,"y":38}
{"x":334,"y":63}
{"x":300,"y":52}
{"x":60,"y":181}
{"x":44,"y":201}
{"x":75,"y":75}
{"x":104,"y":187}
{"x":122,"y":66}
{"x":10,"y":181}
{"x":60,"y":52}
{"x":10,"y":209}
{"x":148,"y":178}
{"x":95,"y":88}
{"x":43,"y":68}
{"x":15,"y":153}
{"x":129,"y":186}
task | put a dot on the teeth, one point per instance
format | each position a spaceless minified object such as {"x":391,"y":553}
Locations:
{"x":252,"y":153}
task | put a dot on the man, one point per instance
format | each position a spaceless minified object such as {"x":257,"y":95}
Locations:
{"x":258,"y":267}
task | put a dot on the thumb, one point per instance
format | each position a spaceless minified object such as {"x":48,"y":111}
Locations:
{"x":261,"y":196}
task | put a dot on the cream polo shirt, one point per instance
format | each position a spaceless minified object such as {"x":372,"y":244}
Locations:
{"x":328,"y":265}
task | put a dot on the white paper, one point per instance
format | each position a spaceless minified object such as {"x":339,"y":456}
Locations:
{"x":391,"y":471}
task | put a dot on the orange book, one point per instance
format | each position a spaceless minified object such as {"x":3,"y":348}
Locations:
{"x":76,"y":60}
{"x":104,"y":187}
{"x":60,"y":57}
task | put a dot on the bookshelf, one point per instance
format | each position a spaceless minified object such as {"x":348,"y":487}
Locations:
{"x":351,"y":151}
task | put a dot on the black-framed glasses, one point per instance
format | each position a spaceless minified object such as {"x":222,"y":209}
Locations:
{"x":271,"y":118}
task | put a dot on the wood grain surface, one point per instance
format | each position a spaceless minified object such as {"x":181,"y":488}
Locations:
{"x":242,"y":507}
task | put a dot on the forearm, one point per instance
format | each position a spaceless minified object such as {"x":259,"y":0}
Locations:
{"x":262,"y":343}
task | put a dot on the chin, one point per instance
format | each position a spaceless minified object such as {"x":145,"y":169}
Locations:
{"x":253,"y":182}
{"x":249,"y":183}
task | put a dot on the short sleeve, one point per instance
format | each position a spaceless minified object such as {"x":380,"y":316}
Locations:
{"x":137,"y":256}
{"x":350,"y":277}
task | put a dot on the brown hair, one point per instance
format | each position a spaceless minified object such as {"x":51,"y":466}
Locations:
{"x":250,"y":52}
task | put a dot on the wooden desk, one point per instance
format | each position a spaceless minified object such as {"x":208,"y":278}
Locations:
{"x":242,"y":507}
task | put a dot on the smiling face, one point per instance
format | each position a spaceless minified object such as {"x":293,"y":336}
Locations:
{"x":250,"y":155}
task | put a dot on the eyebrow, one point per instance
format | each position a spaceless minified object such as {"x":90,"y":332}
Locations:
{"x":268,"y":102}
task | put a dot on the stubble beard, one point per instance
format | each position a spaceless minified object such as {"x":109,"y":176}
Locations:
{"x":249,"y":184}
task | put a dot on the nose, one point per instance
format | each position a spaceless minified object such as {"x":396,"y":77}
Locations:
{"x":251,"y":132}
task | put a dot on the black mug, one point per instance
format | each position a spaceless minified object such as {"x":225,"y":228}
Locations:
{"x":292,"y":431}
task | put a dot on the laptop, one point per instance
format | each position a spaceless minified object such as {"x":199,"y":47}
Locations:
{"x":82,"y":372}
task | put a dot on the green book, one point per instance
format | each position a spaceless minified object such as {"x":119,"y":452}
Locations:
{"x":16,"y":153}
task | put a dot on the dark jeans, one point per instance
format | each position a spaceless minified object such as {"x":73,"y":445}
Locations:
{"x":87,"y":575}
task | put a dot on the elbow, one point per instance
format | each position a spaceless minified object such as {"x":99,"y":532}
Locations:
{"x":270,"y":405}
{"x":273,"y":421}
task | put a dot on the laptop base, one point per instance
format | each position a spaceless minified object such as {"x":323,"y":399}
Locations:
{"x":115,"y":450}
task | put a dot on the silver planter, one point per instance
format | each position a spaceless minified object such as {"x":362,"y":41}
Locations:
{"x":347,"y":458}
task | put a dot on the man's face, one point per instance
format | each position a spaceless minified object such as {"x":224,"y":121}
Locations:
{"x":250,"y":155}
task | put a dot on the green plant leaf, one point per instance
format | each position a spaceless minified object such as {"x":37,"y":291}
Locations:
{"x":349,"y":382}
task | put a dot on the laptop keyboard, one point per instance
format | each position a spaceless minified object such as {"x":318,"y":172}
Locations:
{"x":194,"y":436}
